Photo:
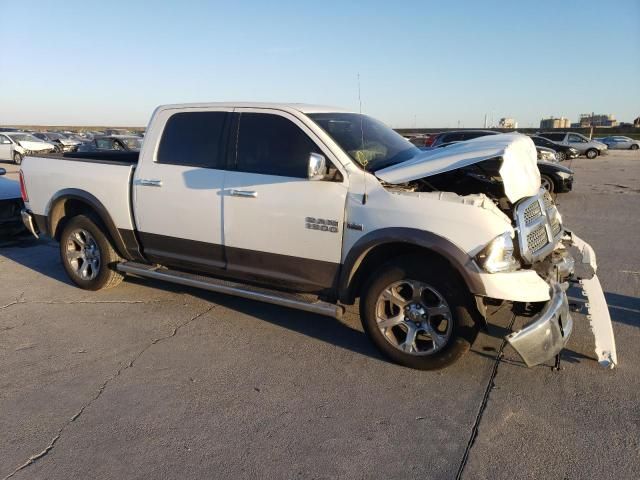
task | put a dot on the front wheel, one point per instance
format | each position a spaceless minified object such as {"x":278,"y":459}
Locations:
{"x":418,"y":313}
{"x":592,"y":153}
{"x":17,"y":158}
{"x":546,"y":182}
{"x":87,"y":254}
{"x":634,"y":146}
{"x":561,"y":156}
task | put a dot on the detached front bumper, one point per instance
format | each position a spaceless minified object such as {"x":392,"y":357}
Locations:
{"x":573,"y":261}
{"x":547,"y":334}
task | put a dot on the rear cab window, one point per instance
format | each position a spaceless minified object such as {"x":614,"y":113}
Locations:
{"x":194,"y":139}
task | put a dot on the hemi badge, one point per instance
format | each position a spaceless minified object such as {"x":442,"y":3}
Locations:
{"x":355,"y":226}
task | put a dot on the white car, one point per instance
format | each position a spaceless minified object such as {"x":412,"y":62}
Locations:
{"x":64,"y":143}
{"x":15,"y":145}
{"x":314,"y":207}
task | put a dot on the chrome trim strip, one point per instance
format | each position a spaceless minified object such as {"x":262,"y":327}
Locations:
{"x":27,"y":220}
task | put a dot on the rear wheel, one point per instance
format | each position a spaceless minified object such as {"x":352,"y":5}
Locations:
{"x":87,"y":254}
{"x":591,"y":153}
{"x":17,"y":158}
{"x":634,"y":146}
{"x":418,"y":313}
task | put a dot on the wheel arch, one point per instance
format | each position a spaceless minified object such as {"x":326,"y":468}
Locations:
{"x":380,"y":246}
{"x":70,"y":202}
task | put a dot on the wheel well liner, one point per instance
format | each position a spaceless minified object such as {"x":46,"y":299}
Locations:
{"x":379,"y":246}
{"x":70,"y":202}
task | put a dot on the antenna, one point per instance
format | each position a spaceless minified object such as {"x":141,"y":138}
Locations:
{"x":364,"y":197}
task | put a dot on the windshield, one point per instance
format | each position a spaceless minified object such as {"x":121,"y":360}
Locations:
{"x":24,"y":137}
{"x":55,"y":136}
{"x":366,"y":140}
{"x":134,"y":143}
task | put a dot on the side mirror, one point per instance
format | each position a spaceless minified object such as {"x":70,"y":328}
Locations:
{"x":2,"y":171}
{"x":317,"y":169}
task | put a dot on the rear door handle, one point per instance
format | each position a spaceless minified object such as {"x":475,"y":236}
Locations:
{"x":243,"y":193}
{"x":149,"y":183}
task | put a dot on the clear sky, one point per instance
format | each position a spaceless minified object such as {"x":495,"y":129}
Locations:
{"x":423,"y":63}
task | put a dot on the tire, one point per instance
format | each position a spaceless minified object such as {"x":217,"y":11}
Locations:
{"x":546,"y":182}
{"x":17,"y":158}
{"x":457,"y":328}
{"x":87,"y":254}
{"x":634,"y":146}
{"x":561,"y":156}
{"x":591,"y":153}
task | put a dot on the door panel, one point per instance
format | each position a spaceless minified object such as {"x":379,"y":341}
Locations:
{"x":177,"y":200}
{"x":284,"y":228}
{"x":290,"y":231}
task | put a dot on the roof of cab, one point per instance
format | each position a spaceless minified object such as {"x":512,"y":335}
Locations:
{"x":300,"y":107}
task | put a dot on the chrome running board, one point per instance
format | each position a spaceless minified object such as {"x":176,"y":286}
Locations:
{"x":250,"y":292}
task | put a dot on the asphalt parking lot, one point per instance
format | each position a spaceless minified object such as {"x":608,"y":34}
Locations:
{"x":150,"y":380}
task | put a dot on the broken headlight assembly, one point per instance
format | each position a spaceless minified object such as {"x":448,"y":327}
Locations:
{"x":497,"y":256}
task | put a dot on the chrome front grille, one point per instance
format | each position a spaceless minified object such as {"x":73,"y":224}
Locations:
{"x":532,"y":212}
{"x":539,"y":226}
{"x":537,"y":239}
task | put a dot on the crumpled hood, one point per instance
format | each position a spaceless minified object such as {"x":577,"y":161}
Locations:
{"x":35,"y":146}
{"x":519,"y":170}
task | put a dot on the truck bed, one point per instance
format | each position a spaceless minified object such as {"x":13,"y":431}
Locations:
{"x":105,"y":176}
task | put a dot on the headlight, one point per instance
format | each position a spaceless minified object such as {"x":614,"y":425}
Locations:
{"x":497,"y":256}
{"x":548,"y":156}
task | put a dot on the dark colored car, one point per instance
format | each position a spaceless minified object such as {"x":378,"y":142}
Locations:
{"x":10,"y":206}
{"x":563,"y":152}
{"x":126,"y":143}
{"x":555,"y":178}
{"x":437,"y":139}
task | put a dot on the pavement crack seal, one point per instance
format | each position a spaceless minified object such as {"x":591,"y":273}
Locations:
{"x":32,"y":459}
{"x":483,"y":404}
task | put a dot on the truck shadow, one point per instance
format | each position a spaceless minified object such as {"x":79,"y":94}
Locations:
{"x":342,"y":334}
{"x":346,"y":333}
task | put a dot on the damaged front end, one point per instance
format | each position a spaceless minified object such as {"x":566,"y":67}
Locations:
{"x":572,"y":262}
{"x":502,"y":170}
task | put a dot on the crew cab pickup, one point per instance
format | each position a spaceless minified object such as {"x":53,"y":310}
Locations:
{"x":316,"y":208}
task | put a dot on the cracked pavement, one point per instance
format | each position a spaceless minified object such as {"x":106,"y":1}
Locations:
{"x":153,"y":380}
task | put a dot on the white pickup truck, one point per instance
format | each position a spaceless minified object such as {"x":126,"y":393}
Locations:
{"x":314,"y":208}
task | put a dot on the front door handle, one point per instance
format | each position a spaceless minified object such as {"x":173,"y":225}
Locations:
{"x":243,"y":193}
{"x":149,"y":183}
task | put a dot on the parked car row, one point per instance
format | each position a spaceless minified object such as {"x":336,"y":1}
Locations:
{"x":16,"y":144}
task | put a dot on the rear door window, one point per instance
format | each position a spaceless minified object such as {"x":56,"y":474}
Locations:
{"x":194,"y":139}
{"x":273,"y":145}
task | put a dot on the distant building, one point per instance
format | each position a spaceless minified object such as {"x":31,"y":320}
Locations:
{"x":552,"y":122}
{"x":636,"y":122}
{"x":507,"y":123}
{"x":601,"y":120}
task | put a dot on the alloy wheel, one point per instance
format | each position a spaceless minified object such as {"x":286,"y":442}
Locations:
{"x":83,"y":254}
{"x":414,"y":317}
